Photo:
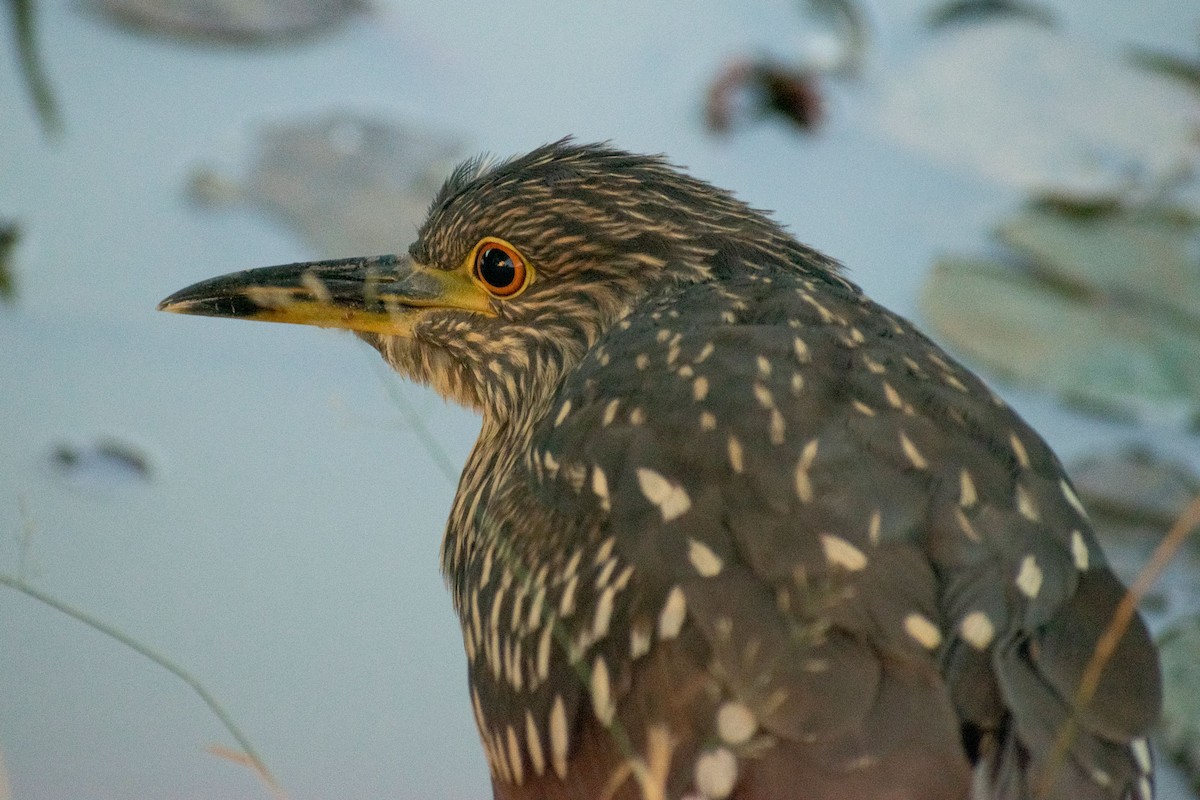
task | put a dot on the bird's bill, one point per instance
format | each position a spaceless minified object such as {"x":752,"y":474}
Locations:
{"x":383,"y":294}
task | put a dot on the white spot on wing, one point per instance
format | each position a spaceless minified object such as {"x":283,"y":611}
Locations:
{"x":840,"y":552}
{"x":763,"y":395}
{"x":735,"y":723}
{"x":911,"y":452}
{"x":670,"y":497}
{"x":602,"y":701}
{"x":604,"y":609}
{"x":562,"y":413}
{"x":1079,"y":551}
{"x":674,"y":610}
{"x":1029,"y":577}
{"x":735,"y":454}
{"x":610,"y":412}
{"x":716,"y":773}
{"x":558,"y":738}
{"x":893,"y":397}
{"x":874,"y":526}
{"x":1141,"y":754}
{"x":804,"y":489}
{"x":707,"y":563}
{"x":777,"y":429}
{"x":1018,"y":448}
{"x":641,"y":635}
{"x":1072,"y":498}
{"x":543,"y":651}
{"x":533,"y":742}
{"x":967,"y":496}
{"x":514,"y":756}
{"x":600,"y":487}
{"x":922,"y":630}
{"x":1026,"y":505}
{"x":977,"y":629}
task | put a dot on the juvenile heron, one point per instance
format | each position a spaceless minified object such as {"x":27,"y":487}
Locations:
{"x":730,"y":529}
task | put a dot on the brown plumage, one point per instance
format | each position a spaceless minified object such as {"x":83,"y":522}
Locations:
{"x":730,"y":530}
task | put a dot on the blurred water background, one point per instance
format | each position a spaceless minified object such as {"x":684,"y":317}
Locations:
{"x":258,"y":502}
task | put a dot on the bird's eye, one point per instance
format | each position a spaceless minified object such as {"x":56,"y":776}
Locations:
{"x":500,"y":268}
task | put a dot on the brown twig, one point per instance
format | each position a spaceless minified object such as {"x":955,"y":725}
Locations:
{"x":19,"y":584}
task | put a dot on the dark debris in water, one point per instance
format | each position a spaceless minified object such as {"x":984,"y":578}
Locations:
{"x":1100,"y":306}
{"x":971,"y":11}
{"x":106,"y":462}
{"x":746,"y":91}
{"x":1065,"y":204}
{"x":236,"y":22}
{"x":10,"y":234}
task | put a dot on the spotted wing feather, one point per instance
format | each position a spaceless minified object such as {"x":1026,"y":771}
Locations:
{"x":880,"y":560}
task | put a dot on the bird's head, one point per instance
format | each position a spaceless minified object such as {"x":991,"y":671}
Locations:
{"x":517,"y":271}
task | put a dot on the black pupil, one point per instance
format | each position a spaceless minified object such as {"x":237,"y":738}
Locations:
{"x":496,"y":268}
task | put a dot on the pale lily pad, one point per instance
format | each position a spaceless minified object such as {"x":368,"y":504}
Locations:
{"x":1106,"y":356}
{"x":229,"y":21}
{"x":1029,"y":107}
{"x":350,"y":185}
{"x":1101,"y":307}
{"x":1144,"y":257}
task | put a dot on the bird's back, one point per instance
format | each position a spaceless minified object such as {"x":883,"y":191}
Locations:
{"x":791,"y":548}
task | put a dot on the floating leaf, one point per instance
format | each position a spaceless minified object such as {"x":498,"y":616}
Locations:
{"x":351,"y":185}
{"x":1092,"y":351}
{"x":106,"y":462}
{"x":1134,"y":488}
{"x":1028,"y":107}
{"x":229,"y":21}
{"x":36,"y":81}
{"x":1171,"y":66}
{"x":960,"y":11}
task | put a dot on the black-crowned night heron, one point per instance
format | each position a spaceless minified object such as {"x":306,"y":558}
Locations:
{"x":730,"y":530}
